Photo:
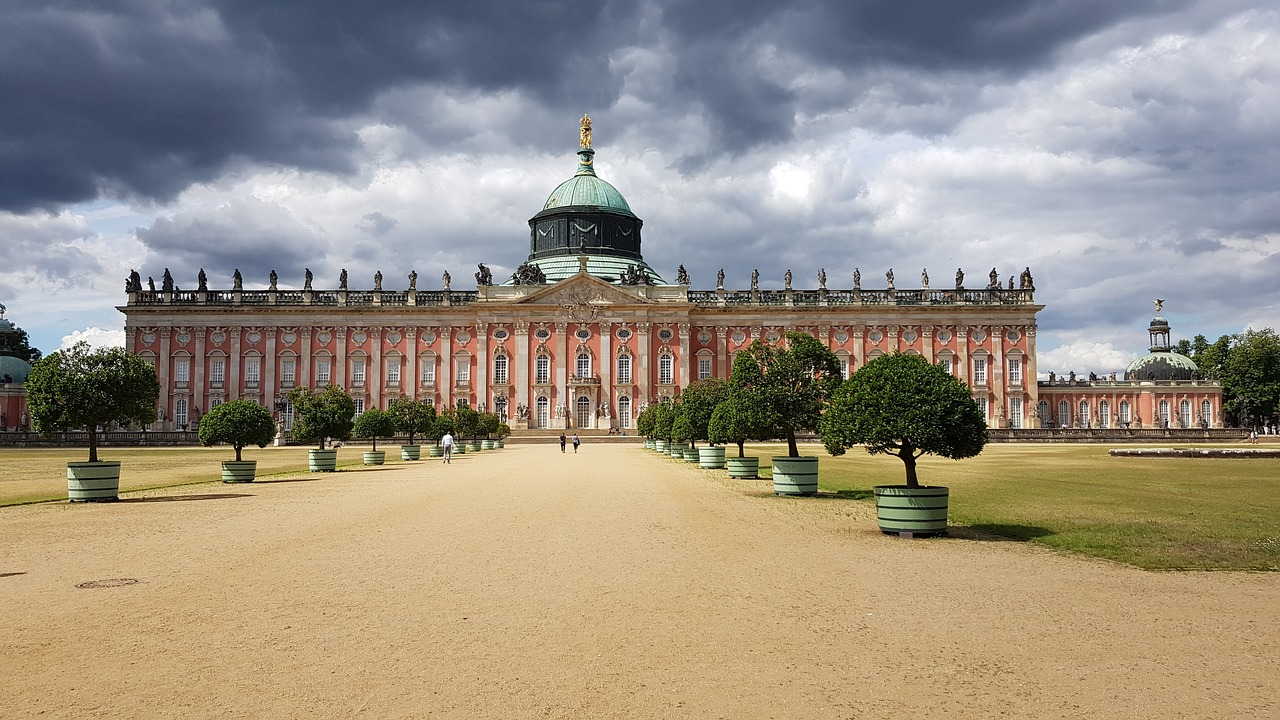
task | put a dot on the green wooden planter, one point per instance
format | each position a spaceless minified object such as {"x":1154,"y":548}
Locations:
{"x":691,"y":454}
{"x":676,"y":451}
{"x":322,"y":460}
{"x":375,"y":457}
{"x":239,"y":471}
{"x":410,"y":452}
{"x":459,"y":448}
{"x":435,"y":451}
{"x":487,"y":445}
{"x":795,"y":475}
{"x":93,"y":481}
{"x":501,"y":443}
{"x":908,"y":512}
{"x":473,"y":446}
{"x":648,"y":444}
{"x":711,"y":457}
{"x":660,"y":446}
{"x":743,"y":467}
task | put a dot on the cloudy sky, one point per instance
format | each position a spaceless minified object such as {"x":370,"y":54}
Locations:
{"x":1122,"y":150}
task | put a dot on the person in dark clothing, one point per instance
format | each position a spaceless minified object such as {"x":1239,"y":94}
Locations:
{"x":562,"y":442}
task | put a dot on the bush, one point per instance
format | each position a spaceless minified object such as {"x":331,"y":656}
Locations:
{"x":374,"y":424}
{"x":699,"y":400}
{"x":237,"y":423}
{"x":412,"y":417}
{"x":328,"y":413}
{"x":82,"y":388}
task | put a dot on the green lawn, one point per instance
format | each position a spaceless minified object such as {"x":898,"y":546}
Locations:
{"x":1156,"y":513}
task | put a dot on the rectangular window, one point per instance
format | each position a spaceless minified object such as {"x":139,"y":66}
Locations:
{"x":393,"y":371}
{"x":429,"y":370}
{"x":979,"y":371}
{"x":322,"y":371}
{"x":464,"y":371}
{"x":665,"y":366}
{"x":182,"y":371}
{"x":624,"y":369}
{"x":217,"y":372}
{"x":252,"y":371}
{"x":946,"y":364}
{"x":500,"y":370}
{"x":542,"y":370}
{"x":288,"y":371}
{"x":1015,"y":412}
{"x":844,"y":368}
{"x":704,"y":368}
{"x":1015,"y":371}
{"x":180,"y":412}
{"x":359,"y":406}
{"x":983,"y":406}
{"x":357,"y":373}
{"x":583,"y":367}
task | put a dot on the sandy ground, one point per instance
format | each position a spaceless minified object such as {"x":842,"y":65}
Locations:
{"x":616,"y":583}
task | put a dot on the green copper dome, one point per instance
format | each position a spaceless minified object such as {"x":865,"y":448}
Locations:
{"x":1162,"y":365}
{"x":586,"y":190}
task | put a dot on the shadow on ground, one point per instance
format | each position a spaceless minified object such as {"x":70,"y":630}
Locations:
{"x":184,"y":498}
{"x":998,"y":532}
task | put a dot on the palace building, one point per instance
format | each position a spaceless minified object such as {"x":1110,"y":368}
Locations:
{"x":583,"y":334}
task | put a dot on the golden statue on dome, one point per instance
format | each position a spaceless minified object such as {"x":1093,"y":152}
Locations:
{"x":584,"y":133}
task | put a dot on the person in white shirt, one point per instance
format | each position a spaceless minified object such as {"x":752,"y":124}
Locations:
{"x":447,"y":442}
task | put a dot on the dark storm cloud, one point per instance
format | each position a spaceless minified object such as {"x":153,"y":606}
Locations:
{"x":133,"y":98}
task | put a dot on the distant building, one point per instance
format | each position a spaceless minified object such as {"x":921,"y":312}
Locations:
{"x":582,"y":335}
{"x":13,"y":375}
{"x":1162,"y":389}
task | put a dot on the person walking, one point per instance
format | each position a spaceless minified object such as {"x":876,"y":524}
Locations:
{"x":561,"y":442}
{"x":447,"y":442}
{"x":576,"y":442}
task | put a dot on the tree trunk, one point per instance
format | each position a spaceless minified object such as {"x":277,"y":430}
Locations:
{"x":93,"y":443}
{"x":909,"y":460}
{"x":792,"y":449}
{"x":375,"y":443}
{"x":238,"y":448}
{"x":741,"y":452}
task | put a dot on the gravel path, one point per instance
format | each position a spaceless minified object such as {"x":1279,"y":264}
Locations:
{"x":615,"y":583}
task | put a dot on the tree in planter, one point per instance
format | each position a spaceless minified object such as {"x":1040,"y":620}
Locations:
{"x":736,"y":420}
{"x":664,"y":416}
{"x":82,"y":388}
{"x":487,"y":424}
{"x":412,"y":417}
{"x":794,"y":383}
{"x":467,"y":421}
{"x":445,"y":423}
{"x":374,"y":424}
{"x":681,"y":427}
{"x":644,"y":421}
{"x":237,"y":423}
{"x":906,"y":406}
{"x":328,"y":413}
{"x":504,"y":430}
{"x":698,"y":402}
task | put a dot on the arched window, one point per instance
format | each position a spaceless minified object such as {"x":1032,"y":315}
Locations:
{"x":624,"y":369}
{"x":585,"y":416}
{"x":582,"y":367}
{"x":624,"y":412}
{"x":1184,"y":413}
{"x":1085,"y":420}
{"x":1044,"y":413}
{"x":500,"y":407}
{"x":1104,"y":414}
{"x":542,"y":407}
{"x":1015,"y":412}
{"x":1163,"y":409}
{"x":1064,"y":414}
{"x":542,"y":371}
{"x":665,"y":366}
{"x":500,"y":369}
{"x":1125,"y":416}
{"x":180,"y":413}
{"x":1206,"y":413}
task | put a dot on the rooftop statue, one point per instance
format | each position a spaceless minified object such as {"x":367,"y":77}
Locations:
{"x":857,"y":279}
{"x":342,"y":279}
{"x":134,"y":282}
{"x":787,"y":279}
{"x":203,"y":280}
{"x":413,"y":279}
{"x":377,"y":280}
{"x":633,"y":275}
{"x":273,"y":278}
{"x":959,"y":279}
{"x":151,"y":283}
{"x":528,"y":274}
{"x":720,"y":279}
{"x":755,"y":280}
{"x":924,"y":279}
{"x":306,"y":284}
{"x":822,"y":278}
{"x":1159,"y":305}
{"x":446,"y":278}
{"x":1024,"y":280}
{"x":993,"y":282}
{"x":682,"y":276}
{"x":168,"y":281}
{"x":237,"y":280}
{"x":484,"y":276}
{"x":889,"y":278}
{"x":584,"y":133}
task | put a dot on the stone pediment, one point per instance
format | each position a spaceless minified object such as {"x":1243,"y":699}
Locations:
{"x":585,"y":290}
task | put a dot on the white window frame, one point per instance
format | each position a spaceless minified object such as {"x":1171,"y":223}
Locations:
{"x":666,"y":370}
{"x":624,"y":369}
{"x":980,"y":371}
{"x":500,"y":370}
{"x":217,"y":372}
{"x":358,"y":372}
{"x":542,"y":370}
{"x":180,"y":414}
{"x":288,"y":371}
{"x":582,"y":365}
{"x":1015,"y":412}
{"x":182,"y":371}
{"x":324,"y":371}
{"x":1015,"y":371}
{"x":394,"y":363}
{"x":704,"y":368}
{"x":252,"y":371}
{"x":429,"y":370}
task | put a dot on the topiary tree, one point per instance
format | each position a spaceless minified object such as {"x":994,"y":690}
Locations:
{"x":664,"y":415}
{"x":374,"y":424}
{"x":82,"y":388}
{"x":906,"y":406}
{"x":503,"y":430}
{"x":412,"y":417}
{"x":699,"y":400}
{"x":444,"y":423}
{"x":681,"y":428}
{"x":644,"y":420}
{"x":237,"y":423}
{"x":793,"y":383}
{"x":329,"y":413}
{"x":467,"y":421}
{"x":736,"y":420}
{"x":487,"y":424}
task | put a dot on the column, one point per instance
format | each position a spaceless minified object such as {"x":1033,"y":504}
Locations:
{"x":481,"y":382}
{"x":411,"y":381}
{"x":859,"y":333}
{"x":233,"y":364}
{"x":998,"y":375}
{"x":162,"y":370}
{"x":339,"y":371}
{"x":962,"y":354}
{"x":685,"y":372}
{"x":522,"y":366}
{"x":269,"y":389}
{"x":1029,"y":375}
{"x":373,"y":374}
{"x":926,"y":343}
{"x":642,"y":370}
{"x":606,"y":367}
{"x":562,"y":372}
{"x":304,"y":358}
{"x":444,"y":378}
{"x":197,"y":372}
{"x":722,"y":352}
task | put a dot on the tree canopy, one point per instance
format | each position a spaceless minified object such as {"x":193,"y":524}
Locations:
{"x":664,"y":415}
{"x":794,"y":383}
{"x":699,"y":400}
{"x":645,"y":420}
{"x":17,"y":344}
{"x":373,"y":424}
{"x":237,"y":423}
{"x":412,"y":417}
{"x":329,"y":413}
{"x":906,"y":406}
{"x":1248,"y":366}
{"x":82,"y":388}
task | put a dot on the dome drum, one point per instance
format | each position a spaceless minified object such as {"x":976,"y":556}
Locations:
{"x":554,"y":233}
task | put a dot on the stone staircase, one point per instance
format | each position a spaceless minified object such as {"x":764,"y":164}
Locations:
{"x":542,"y":435}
